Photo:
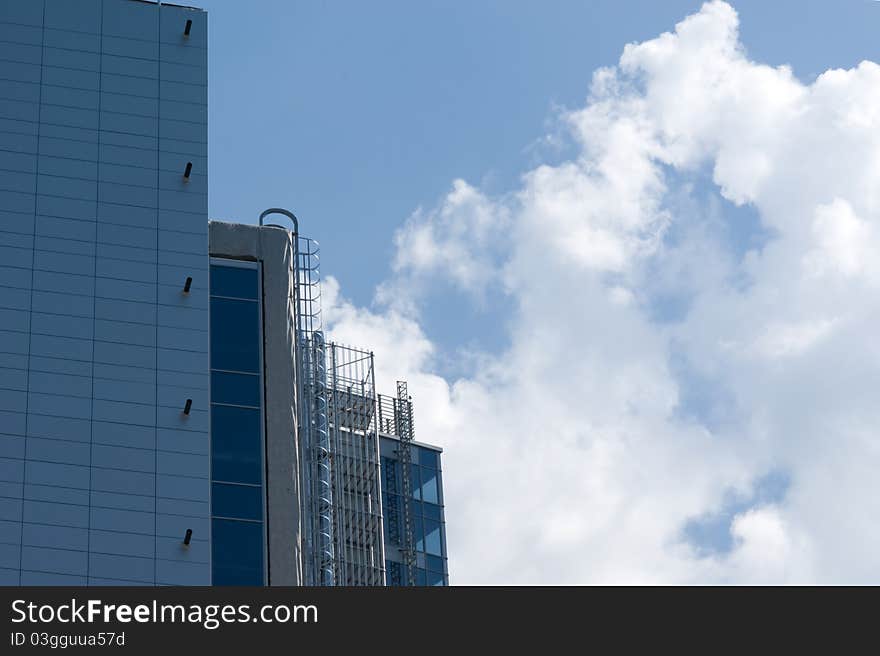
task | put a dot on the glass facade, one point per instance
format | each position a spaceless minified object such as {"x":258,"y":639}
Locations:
{"x":237,"y":491}
{"x":426,"y":515}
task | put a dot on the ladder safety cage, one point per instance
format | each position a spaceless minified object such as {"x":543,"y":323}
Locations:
{"x":395,"y":418}
{"x":335,"y":407}
{"x":403,"y":416}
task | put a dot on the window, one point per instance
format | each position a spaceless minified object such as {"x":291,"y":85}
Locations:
{"x":429,"y":458}
{"x":434,"y":563}
{"x":430,"y":492}
{"x":390,"y":467}
{"x":237,"y":501}
{"x":235,"y":282}
{"x":431,"y":511}
{"x":426,"y":515}
{"x":433,"y":542}
{"x":237,"y":552}
{"x":236,"y":444}
{"x":237,"y":389}
{"x":231,"y":322}
{"x":418,"y":535}
{"x":237,"y":492}
{"x":414,"y":481}
{"x":393,"y":520}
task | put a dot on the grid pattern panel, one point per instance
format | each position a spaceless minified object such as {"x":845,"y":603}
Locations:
{"x":359,"y":548}
{"x":102,"y":104}
{"x":428,"y":530}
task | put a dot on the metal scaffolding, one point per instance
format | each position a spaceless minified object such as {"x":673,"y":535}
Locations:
{"x":339,"y":444}
{"x":359,"y":545}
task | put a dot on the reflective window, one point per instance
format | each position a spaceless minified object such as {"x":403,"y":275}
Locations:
{"x":433,"y":542}
{"x":239,"y":389}
{"x":231,"y":321}
{"x":237,"y":552}
{"x":431,"y":511}
{"x":415,"y":481}
{"x":429,"y":486}
{"x":418,"y":535}
{"x":391,"y":469}
{"x":429,"y":458}
{"x":236,"y":445}
{"x":434,"y":563}
{"x":393,"y":520}
{"x":426,"y":515}
{"x":237,"y":501}
{"x":236,"y":282}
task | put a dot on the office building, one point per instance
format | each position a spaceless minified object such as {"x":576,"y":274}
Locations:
{"x":412,"y":506}
{"x":169,"y":411}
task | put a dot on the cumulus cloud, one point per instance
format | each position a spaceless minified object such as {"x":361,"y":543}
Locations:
{"x":459,"y":239}
{"x":844,"y":243}
{"x":767,"y":549}
{"x":579,"y":453}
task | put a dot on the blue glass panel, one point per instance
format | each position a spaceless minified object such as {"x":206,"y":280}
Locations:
{"x":434,"y":563}
{"x":236,"y":449}
{"x":433,"y":543}
{"x":431,"y":511}
{"x":391,"y":469}
{"x":418,"y":537}
{"x":415,"y":481}
{"x":238,"y":501}
{"x":392,"y":513}
{"x":236,"y":576}
{"x":429,"y":486}
{"x":421,"y":577}
{"x":238,"y":389}
{"x":234,"y":281}
{"x":235,"y":335}
{"x":237,"y":552}
{"x":435,"y":578}
{"x":429,"y":458}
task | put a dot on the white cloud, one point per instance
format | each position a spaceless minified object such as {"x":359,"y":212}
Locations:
{"x":767,"y":549}
{"x":844,"y":243}
{"x":457,"y":239}
{"x":781,"y":340}
{"x":572,"y":455}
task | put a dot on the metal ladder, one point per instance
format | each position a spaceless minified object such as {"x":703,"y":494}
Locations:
{"x":311,"y":408}
{"x":403,"y":419}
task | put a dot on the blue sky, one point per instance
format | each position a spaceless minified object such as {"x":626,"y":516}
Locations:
{"x":353,"y":114}
{"x":692,"y":379}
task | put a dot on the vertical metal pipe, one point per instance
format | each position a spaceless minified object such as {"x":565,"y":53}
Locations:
{"x":377,"y":499}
